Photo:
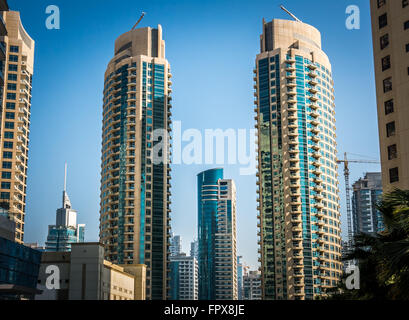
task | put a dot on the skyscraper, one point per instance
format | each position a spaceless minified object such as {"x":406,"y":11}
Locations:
{"x":15,"y":117}
{"x":175,"y":246}
{"x":135,"y":186}
{"x":194,"y":249}
{"x":298,"y":202}
{"x":252,"y":285}
{"x":366,"y":192}
{"x":390,"y":29}
{"x":184,"y":277}
{"x":66,"y":229}
{"x":217,"y":236}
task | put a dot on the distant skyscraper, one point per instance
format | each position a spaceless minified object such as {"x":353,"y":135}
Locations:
{"x":18,"y":49}
{"x":390,"y":29}
{"x":217,"y":236}
{"x":298,"y":202}
{"x":66,"y":230}
{"x":366,"y":193}
{"x":175,"y":245}
{"x":184,"y":277}
{"x":252,"y":285}
{"x":194,"y":249}
{"x":135,"y":186}
{"x":239,"y":278}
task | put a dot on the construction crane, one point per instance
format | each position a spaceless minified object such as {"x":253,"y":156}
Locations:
{"x":346,"y":163}
{"x":142,"y":15}
{"x":292,"y":16}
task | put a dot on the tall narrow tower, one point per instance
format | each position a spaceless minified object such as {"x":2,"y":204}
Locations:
{"x":15,"y":118}
{"x":217,"y":236}
{"x":135,"y":187}
{"x":298,"y":203}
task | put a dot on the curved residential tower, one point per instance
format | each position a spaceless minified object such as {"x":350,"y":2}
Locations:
{"x":18,"y":50}
{"x":135,"y":188}
{"x":298,"y":203}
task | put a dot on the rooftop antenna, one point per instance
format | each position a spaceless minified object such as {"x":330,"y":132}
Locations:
{"x":293,"y":16}
{"x":65,"y":177}
{"x":142,"y":15}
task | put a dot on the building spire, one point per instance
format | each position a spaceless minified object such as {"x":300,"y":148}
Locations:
{"x":66,"y":203}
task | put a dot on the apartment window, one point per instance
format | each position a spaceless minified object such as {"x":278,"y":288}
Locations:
{"x":5,"y":185}
{"x":392,"y":152}
{"x":12,"y":86}
{"x":11,"y":96}
{"x":6,"y":165}
{"x":384,"y":41}
{"x":405,"y":3}
{"x":13,"y":58}
{"x":8,"y":135}
{"x":393,"y":175}
{"x":12,"y":77}
{"x":386,"y":63}
{"x":381,"y":3}
{"x":7,"y":155}
{"x":9,"y":125}
{"x":407,"y":47}
{"x":8,"y":145}
{"x":387,"y":85}
{"x":390,"y":129}
{"x":10,"y":115}
{"x":14,"y":49}
{"x":389,"y":107}
{"x":10,"y":105}
{"x":383,"y":21}
{"x":13,"y":67}
{"x":5,"y":196}
{"x":406,"y":25}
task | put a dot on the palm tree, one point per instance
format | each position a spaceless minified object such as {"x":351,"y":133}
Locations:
{"x":384,"y":257}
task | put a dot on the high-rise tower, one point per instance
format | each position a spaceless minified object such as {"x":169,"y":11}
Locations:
{"x":66,"y":230}
{"x":298,"y":203}
{"x":390,"y":32}
{"x":217,"y":236}
{"x":15,"y":117}
{"x":135,"y":188}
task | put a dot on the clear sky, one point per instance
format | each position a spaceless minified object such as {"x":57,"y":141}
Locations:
{"x":211,"y":46}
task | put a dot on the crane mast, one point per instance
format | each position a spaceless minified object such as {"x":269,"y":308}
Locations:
{"x":346,"y":163}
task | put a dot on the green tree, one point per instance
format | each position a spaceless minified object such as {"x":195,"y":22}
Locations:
{"x":383,"y":259}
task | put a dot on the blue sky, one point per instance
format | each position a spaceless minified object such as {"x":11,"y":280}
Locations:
{"x":211,"y":46}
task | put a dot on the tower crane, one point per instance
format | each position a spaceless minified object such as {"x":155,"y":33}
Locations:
{"x":142,"y":15}
{"x":346,"y":163}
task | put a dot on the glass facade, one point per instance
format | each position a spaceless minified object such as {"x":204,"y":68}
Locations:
{"x":298,"y":203}
{"x":135,"y":188}
{"x":19,"y":265}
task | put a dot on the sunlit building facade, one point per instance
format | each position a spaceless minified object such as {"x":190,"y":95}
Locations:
{"x":298,"y":202}
{"x":135,"y":189}
{"x":18,"y":48}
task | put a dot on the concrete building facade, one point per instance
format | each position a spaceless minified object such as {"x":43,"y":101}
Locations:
{"x":135,"y":178}
{"x":252,"y":285}
{"x":184,"y":277}
{"x":84,"y":274}
{"x":297,"y":179}
{"x":390,"y":32}
{"x":15,"y":117}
